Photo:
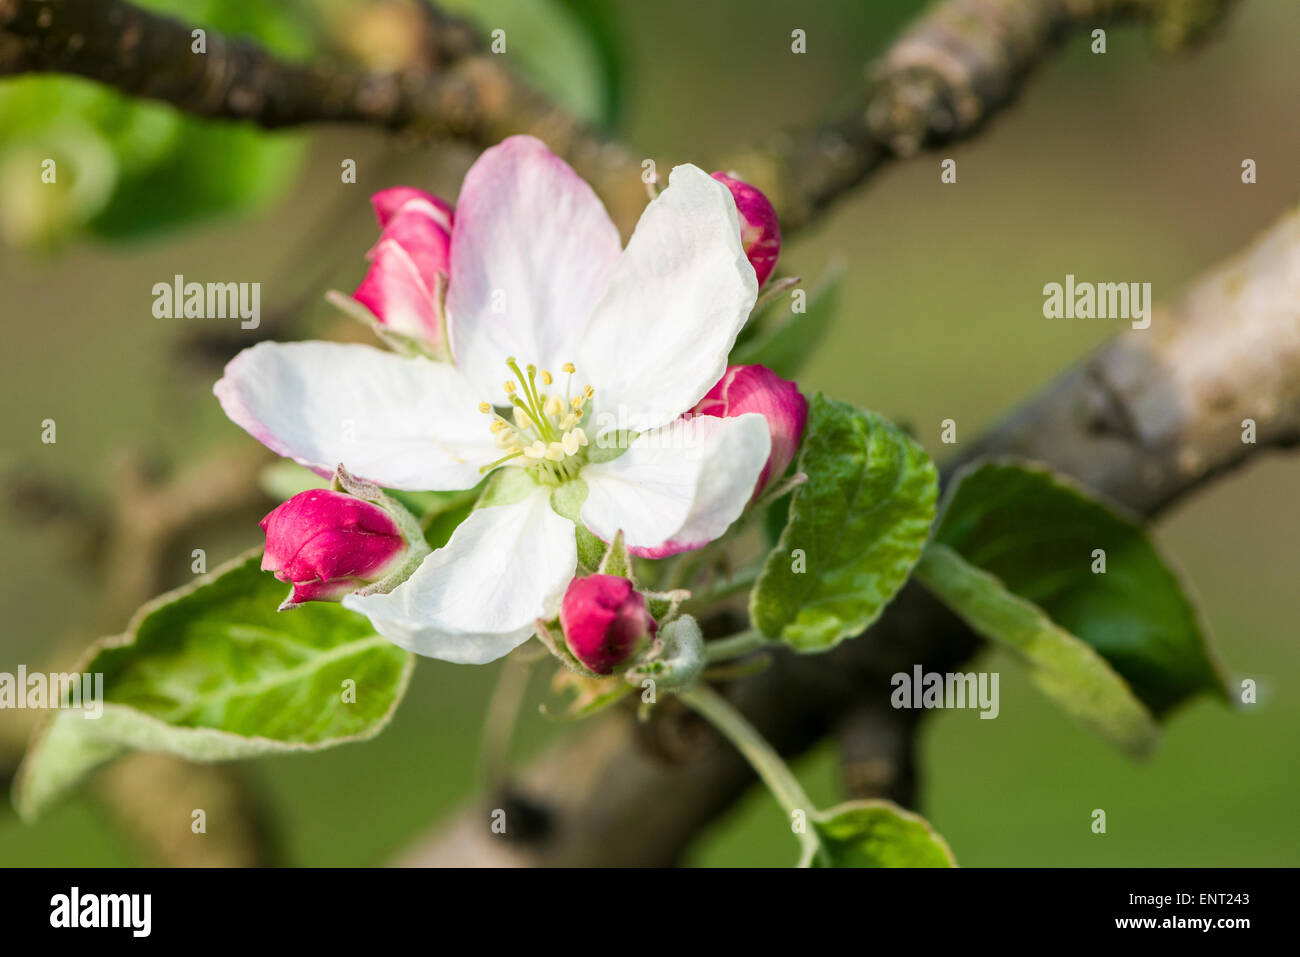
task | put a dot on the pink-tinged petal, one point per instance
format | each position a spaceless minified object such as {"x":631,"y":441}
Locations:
{"x":660,"y":337}
{"x":679,"y":487}
{"x":532,"y":249}
{"x":480,"y":596}
{"x":745,"y":389}
{"x":328,"y":544}
{"x":759,"y":230}
{"x":399,"y":422}
{"x":604,"y":620}
{"x":398,"y":296}
{"x":428,"y":244}
{"x":389,"y":202}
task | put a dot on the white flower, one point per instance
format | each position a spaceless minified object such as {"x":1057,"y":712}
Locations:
{"x":554,"y":330}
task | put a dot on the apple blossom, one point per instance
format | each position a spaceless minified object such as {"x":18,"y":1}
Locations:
{"x":409,"y":265}
{"x":604,"y":620}
{"x":554,"y":331}
{"x":745,"y":389}
{"x":759,"y":230}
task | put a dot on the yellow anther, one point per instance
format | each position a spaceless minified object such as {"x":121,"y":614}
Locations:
{"x":547,"y":378}
{"x":568,"y":422}
{"x":577,"y":403}
{"x":509,"y":387}
{"x":484,"y":407}
{"x":554,"y":406}
{"x":499,"y":424}
{"x":588,"y":392}
{"x":521,"y":418}
{"x":504,"y":440}
{"x":569,"y":367}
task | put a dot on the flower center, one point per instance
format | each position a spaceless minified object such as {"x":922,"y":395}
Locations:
{"x":542,"y":428}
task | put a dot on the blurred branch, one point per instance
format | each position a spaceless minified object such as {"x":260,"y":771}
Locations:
{"x":960,"y":63}
{"x":1148,"y":418}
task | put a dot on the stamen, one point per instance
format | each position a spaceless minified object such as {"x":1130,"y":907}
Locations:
{"x":484,"y":407}
{"x":547,"y":378}
{"x":569,"y":367}
{"x":555,"y":452}
{"x":505,"y":458}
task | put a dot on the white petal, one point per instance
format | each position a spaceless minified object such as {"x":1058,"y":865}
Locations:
{"x":532,"y":249}
{"x":660,"y":337}
{"x":678,"y":487}
{"x":403,"y":423}
{"x":478,"y":597}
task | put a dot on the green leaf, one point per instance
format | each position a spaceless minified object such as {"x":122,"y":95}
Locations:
{"x":1037,"y":533}
{"x":127,"y":168}
{"x":553,"y":45}
{"x":212,"y":672}
{"x":786,"y":339}
{"x":859,"y":522}
{"x":1064,"y":668}
{"x":875,"y":834}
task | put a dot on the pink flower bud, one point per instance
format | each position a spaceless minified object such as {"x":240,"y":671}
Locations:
{"x":328,"y":544}
{"x":408,"y":264}
{"x":760,"y":233}
{"x":758,"y":389}
{"x":604,"y":619}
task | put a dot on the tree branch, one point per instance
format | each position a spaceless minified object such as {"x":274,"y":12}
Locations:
{"x":1145,"y":420}
{"x":958,"y":65}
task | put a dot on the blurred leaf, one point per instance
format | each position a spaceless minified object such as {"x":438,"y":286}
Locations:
{"x":600,"y":19}
{"x":1062,"y":667}
{"x":126,"y":168}
{"x":785,"y":339}
{"x":212,"y":672}
{"x":557,"y":46}
{"x":876,"y":834}
{"x":860,"y":522}
{"x":1037,"y":532}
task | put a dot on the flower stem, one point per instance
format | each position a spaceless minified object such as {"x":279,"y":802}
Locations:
{"x":733,"y":646}
{"x":503,"y":710}
{"x":741,"y":581}
{"x":774,"y":773}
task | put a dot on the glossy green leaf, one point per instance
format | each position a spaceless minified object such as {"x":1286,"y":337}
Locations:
{"x":856,"y":528}
{"x":1064,"y":668}
{"x":212,"y":672}
{"x":1042,"y":536}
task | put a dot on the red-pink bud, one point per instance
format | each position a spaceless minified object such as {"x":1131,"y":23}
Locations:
{"x":604,"y":619}
{"x":758,"y":389}
{"x":328,"y":544}
{"x":760,"y":233}
{"x":401,"y":288}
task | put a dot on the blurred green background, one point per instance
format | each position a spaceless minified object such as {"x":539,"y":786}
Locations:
{"x":1122,"y":166}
